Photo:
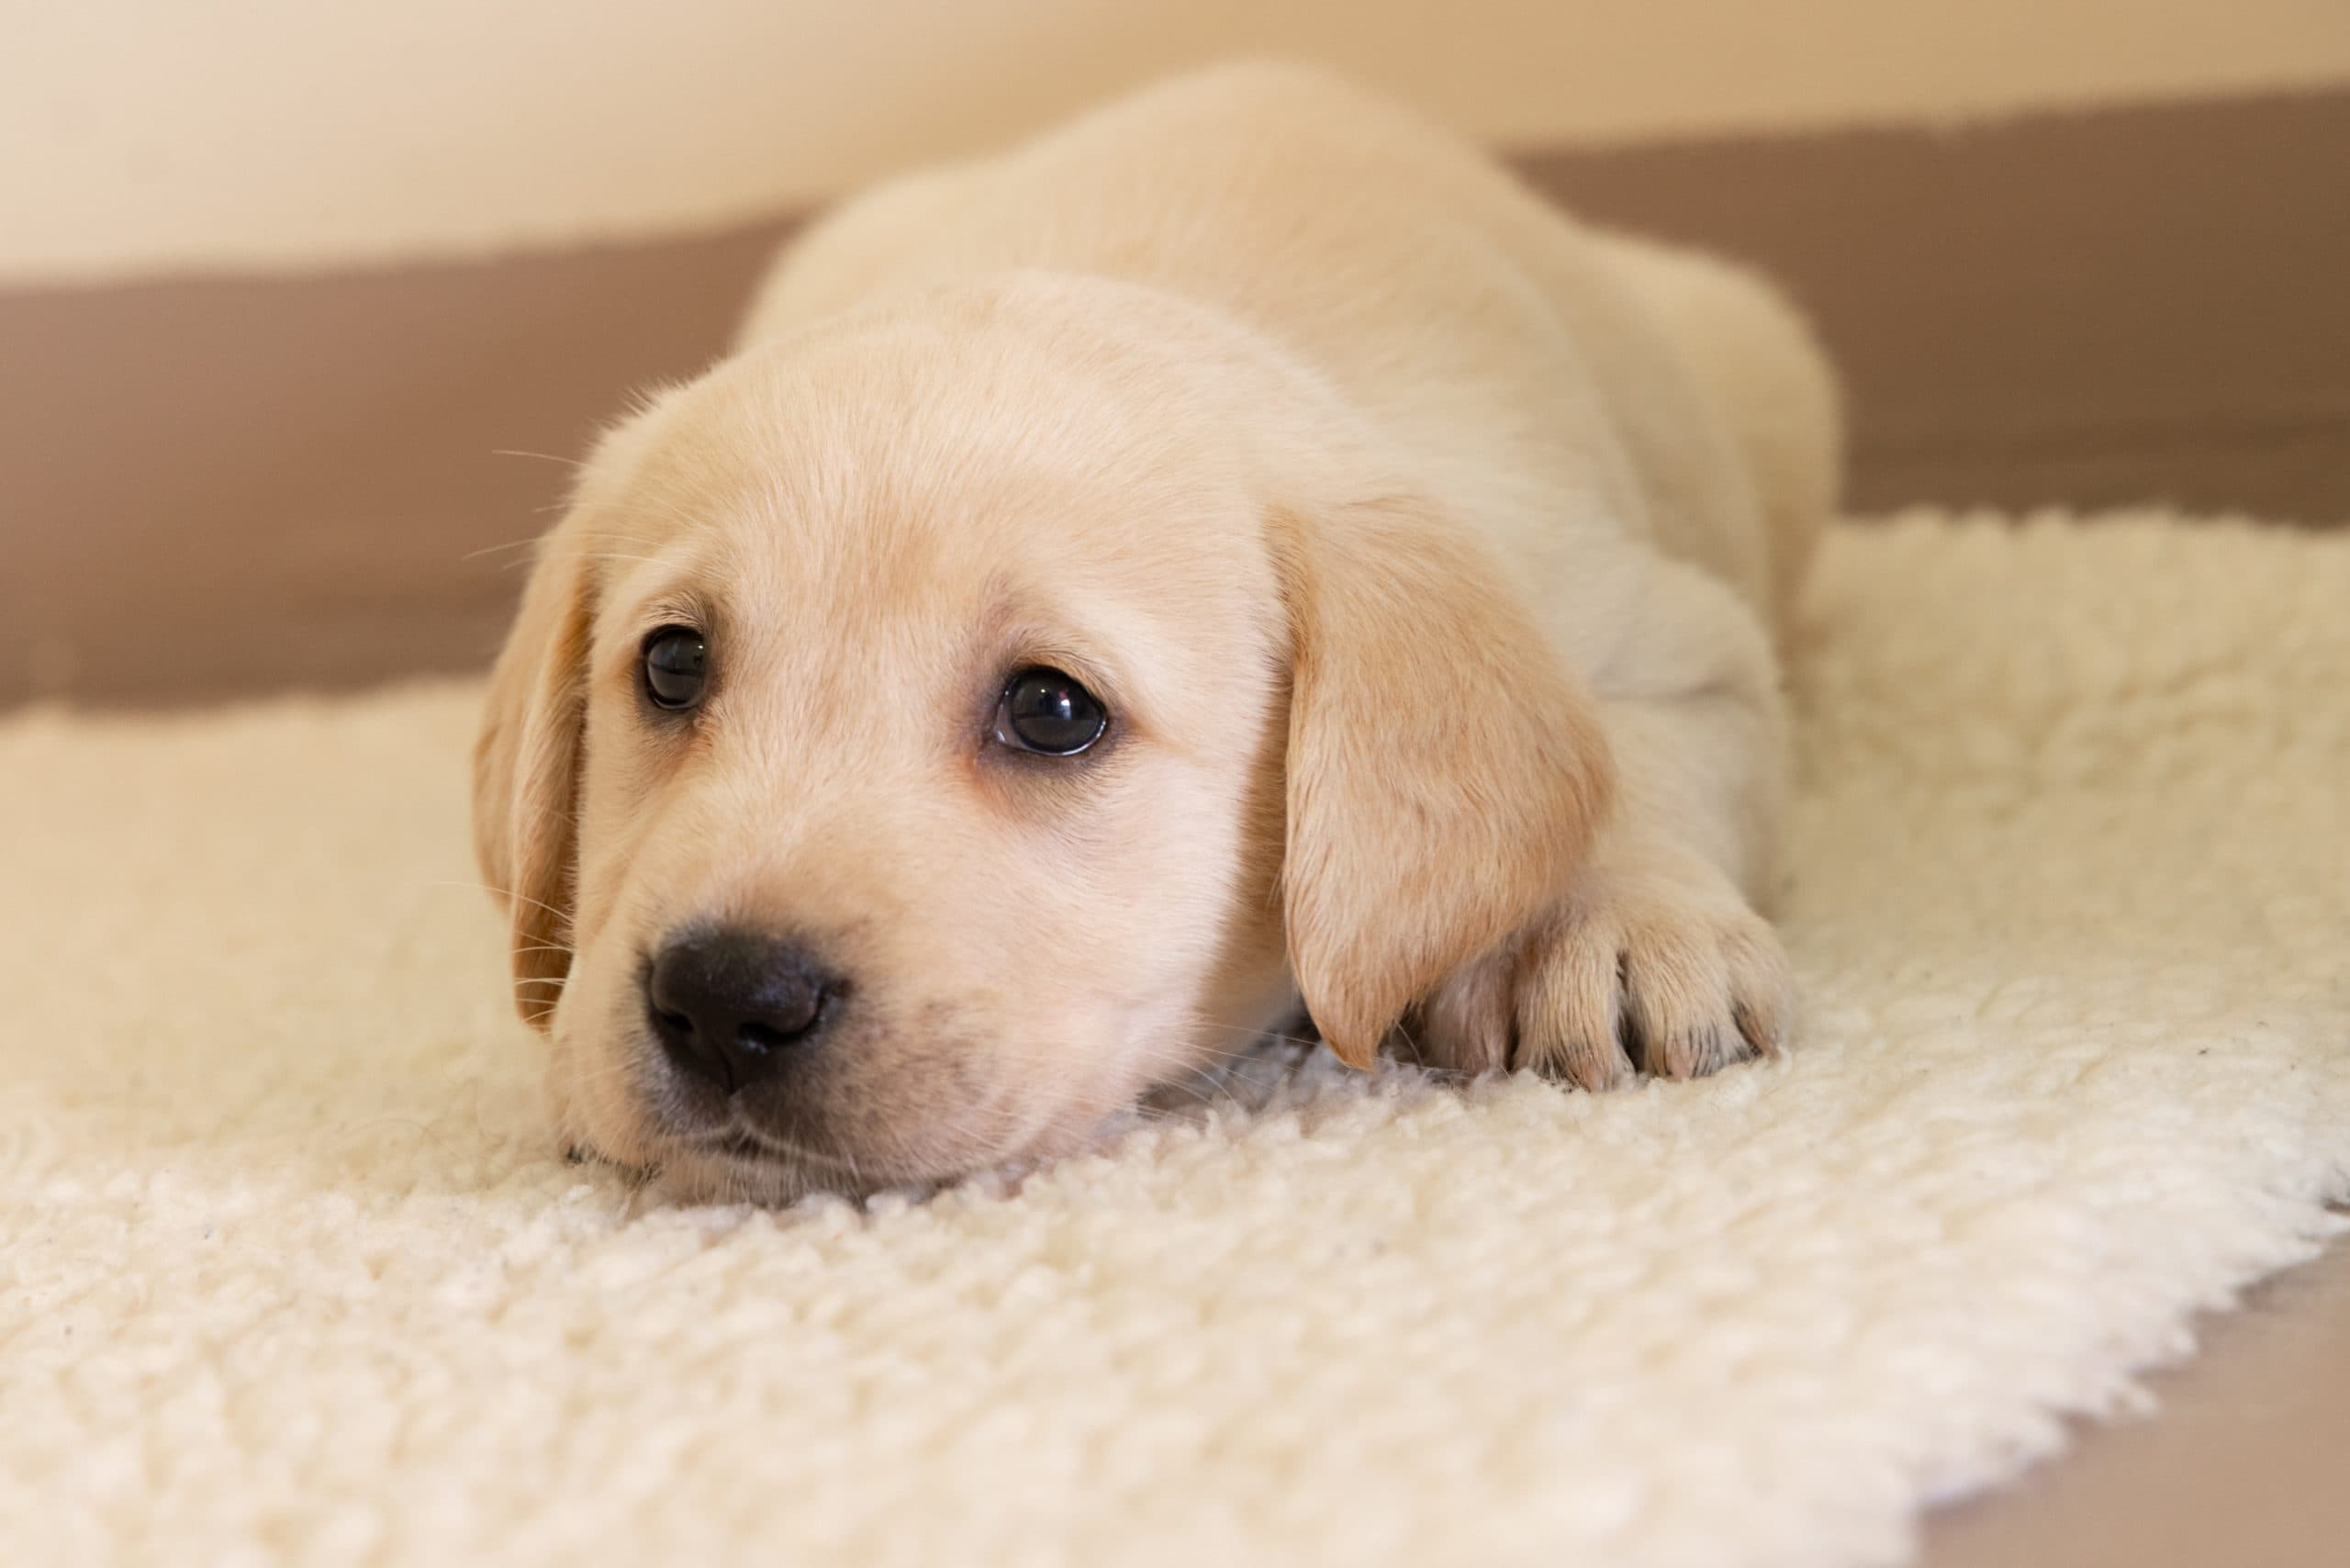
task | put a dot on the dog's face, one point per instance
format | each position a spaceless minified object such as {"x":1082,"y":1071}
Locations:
{"x":925,"y":735}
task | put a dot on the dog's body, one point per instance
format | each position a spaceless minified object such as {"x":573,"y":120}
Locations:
{"x":1424,"y":544}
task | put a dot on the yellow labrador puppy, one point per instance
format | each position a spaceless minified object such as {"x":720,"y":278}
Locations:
{"x":1240,"y":549}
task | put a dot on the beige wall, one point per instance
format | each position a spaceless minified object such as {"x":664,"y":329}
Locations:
{"x":138,"y":135}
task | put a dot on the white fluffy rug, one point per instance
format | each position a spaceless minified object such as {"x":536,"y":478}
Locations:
{"x":291,"y":1272}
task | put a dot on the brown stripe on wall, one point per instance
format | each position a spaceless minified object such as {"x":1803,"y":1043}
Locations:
{"x":221,"y":485}
{"x":246,"y":484}
{"x":2145,"y":303}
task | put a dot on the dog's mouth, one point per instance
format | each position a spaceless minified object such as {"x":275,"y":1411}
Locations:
{"x":733,"y":1151}
{"x":700,"y":1150}
{"x":730,"y":1165}
{"x":740,"y":1145}
{"x":741,"y":1148}
{"x":743,"y":1158}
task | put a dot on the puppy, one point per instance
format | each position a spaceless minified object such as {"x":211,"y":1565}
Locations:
{"x":1240,"y":549}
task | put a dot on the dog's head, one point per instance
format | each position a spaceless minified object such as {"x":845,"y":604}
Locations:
{"x":926,"y":733}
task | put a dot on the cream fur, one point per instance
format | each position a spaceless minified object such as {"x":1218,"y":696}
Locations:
{"x":1428,"y":541}
{"x":293,"y":1271}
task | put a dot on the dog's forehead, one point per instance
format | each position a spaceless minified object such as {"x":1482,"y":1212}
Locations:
{"x":900,"y":482}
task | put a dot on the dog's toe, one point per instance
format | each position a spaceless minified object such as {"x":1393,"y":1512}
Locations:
{"x":1611,"y":987}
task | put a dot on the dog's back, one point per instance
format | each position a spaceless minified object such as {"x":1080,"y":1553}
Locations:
{"x":1553,"y":384}
{"x":1763,"y":372}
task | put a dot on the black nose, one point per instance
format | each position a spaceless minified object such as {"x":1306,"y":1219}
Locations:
{"x":730,"y":1006}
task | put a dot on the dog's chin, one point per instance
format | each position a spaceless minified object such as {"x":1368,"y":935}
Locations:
{"x":738,"y":1169}
{"x":743,"y":1166}
{"x":709,"y":1154}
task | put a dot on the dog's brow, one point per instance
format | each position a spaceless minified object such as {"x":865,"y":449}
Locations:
{"x":1023,"y":628}
{"x":674,"y":607}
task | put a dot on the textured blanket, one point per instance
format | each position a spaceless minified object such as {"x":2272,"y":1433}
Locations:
{"x":289,"y":1268}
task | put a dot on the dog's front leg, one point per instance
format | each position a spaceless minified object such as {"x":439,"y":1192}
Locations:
{"x":1654,"y":959}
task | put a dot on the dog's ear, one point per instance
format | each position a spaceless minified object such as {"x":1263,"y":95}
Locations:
{"x":526,"y":772}
{"x":1446,"y":771}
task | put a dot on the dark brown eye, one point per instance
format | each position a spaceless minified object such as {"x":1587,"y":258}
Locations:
{"x":676,"y":663}
{"x":1048,"y":711}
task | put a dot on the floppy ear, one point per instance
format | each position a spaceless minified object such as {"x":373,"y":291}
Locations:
{"x":526,"y":773}
{"x":1446,"y":771}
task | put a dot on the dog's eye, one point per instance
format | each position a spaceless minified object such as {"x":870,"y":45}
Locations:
{"x":1048,"y":710}
{"x":676,"y":663}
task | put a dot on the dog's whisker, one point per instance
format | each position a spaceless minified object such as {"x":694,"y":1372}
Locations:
{"x":1270,"y":1037}
{"x":503,"y":893}
{"x":572,"y":463}
{"x":494,"y":548}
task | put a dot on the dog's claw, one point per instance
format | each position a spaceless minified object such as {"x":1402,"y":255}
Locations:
{"x":1617,"y":984}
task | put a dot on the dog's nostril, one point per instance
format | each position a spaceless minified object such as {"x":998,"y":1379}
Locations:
{"x":755,"y":1036}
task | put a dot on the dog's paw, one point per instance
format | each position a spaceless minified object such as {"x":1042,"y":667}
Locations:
{"x":1627,"y":976}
